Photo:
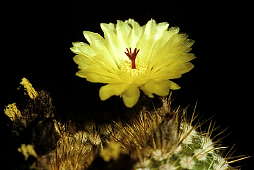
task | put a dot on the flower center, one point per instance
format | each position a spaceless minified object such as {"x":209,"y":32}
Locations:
{"x":132,"y":56}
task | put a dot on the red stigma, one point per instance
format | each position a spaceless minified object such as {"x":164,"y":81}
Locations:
{"x":132,"y":56}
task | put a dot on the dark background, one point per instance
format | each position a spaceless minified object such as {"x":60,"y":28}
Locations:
{"x":36,"y":37}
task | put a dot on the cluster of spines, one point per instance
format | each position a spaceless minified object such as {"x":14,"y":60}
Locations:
{"x":159,"y":139}
{"x":189,"y":150}
{"x":172,"y":142}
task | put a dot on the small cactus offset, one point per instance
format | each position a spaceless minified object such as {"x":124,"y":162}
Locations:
{"x":195,"y":152}
{"x":174,"y":143}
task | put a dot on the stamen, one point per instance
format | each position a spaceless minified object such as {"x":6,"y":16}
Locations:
{"x":132,"y":56}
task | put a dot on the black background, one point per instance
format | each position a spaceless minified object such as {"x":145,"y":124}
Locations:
{"x":36,"y":37}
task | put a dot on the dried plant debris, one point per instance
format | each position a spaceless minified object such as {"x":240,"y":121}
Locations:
{"x":111,"y":151}
{"x":12,"y":112}
{"x":31,"y":92}
{"x":27,"y":150}
{"x":160,"y":139}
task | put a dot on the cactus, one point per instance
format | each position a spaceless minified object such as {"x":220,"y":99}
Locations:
{"x":163,"y":138}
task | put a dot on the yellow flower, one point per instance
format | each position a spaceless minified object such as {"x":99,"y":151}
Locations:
{"x":131,"y":58}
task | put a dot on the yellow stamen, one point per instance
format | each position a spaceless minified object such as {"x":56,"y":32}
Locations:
{"x":32,"y":93}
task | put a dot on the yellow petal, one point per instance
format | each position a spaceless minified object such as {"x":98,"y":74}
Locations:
{"x":108,"y":30}
{"x":111,"y":89}
{"x":160,"y":30}
{"x":97,"y":43}
{"x":147,"y":92}
{"x":174,"y":86}
{"x":111,"y":41}
{"x":123,"y":31}
{"x":82,"y":48}
{"x":131,"y":96}
{"x":160,"y":88}
{"x":82,"y":61}
{"x":171,"y":71}
{"x":135,"y":34}
{"x":92,"y":37}
{"x":97,"y":77}
{"x":150,"y":27}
